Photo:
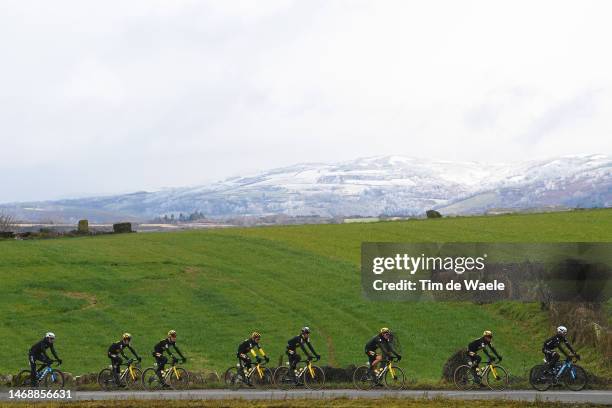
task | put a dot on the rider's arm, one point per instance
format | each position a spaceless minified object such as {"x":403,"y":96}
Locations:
{"x":304,"y":350}
{"x":53,"y":352}
{"x":568,"y":345}
{"x":312,"y":348}
{"x":494,"y":352}
{"x":178,"y":351}
{"x":261,"y":351}
{"x":133,"y":351}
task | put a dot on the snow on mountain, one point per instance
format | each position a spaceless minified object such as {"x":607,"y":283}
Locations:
{"x":392,"y":185}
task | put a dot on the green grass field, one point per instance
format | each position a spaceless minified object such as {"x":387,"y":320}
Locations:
{"x":216,"y":286}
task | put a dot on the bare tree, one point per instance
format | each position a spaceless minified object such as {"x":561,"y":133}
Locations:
{"x":7,"y":222}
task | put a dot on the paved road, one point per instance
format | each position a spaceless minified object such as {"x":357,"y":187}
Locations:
{"x":594,"y":397}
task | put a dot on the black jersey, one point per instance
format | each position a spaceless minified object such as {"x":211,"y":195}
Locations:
{"x":247,"y":345}
{"x":555,"y":341}
{"x":300,"y":341}
{"x":117,"y":348}
{"x":164,"y":346}
{"x":480,"y":344}
{"x":41,"y":348}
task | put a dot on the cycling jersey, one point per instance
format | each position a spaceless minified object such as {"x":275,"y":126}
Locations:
{"x":40,"y":349}
{"x":247,"y":346}
{"x":555,"y":341}
{"x":480,"y":344}
{"x":300,"y":341}
{"x":164,"y":346}
{"x":379,"y":342}
{"x":117,"y":348}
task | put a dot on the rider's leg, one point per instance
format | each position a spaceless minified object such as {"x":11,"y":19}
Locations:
{"x":161,"y":364}
{"x":294,"y":359}
{"x":474,"y":362}
{"x":551,"y":357}
{"x":33,"y":373}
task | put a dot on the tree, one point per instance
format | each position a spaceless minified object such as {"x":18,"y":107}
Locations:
{"x":7,"y":222}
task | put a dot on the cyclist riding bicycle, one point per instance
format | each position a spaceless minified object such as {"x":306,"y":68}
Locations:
{"x":550,"y":355}
{"x":38,"y":352}
{"x":382,"y":341}
{"x":115,"y":352}
{"x":158,"y":352}
{"x":483,"y":343}
{"x":248,"y":346}
{"x":300,"y":340}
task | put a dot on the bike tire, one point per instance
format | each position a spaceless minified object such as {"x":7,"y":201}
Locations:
{"x":106,"y":380}
{"x":23,"y":379}
{"x":464,"y":378}
{"x":179,"y":379}
{"x":395,"y":380}
{"x":54,"y":380}
{"x":362,"y":378}
{"x":499,"y":382}
{"x":576,"y":383}
{"x":263,"y":381}
{"x":150,"y":380}
{"x":315,"y":382}
{"x":282,"y":379}
{"x":538,"y":380}
{"x":231,"y":378}
{"x":134,"y":383}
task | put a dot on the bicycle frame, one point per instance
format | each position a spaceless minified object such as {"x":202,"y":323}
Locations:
{"x":257,"y":368}
{"x":44,"y":371}
{"x":129,"y":370}
{"x":567,"y":364}
{"x":490,"y":367}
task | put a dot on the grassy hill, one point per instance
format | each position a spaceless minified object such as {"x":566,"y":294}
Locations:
{"x":215,"y":287}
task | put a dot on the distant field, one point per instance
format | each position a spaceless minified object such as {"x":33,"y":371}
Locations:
{"x":216,"y":286}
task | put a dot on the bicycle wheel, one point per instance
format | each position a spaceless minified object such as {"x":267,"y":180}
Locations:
{"x":394,"y":378}
{"x":538,"y":378}
{"x":23,"y":379}
{"x":464,"y":378}
{"x":179,"y":378}
{"x":133,"y":380}
{"x":264,"y":380}
{"x":362,"y":378}
{"x":575,"y":378}
{"x":496,"y":378}
{"x":150,"y":380}
{"x":232,"y":378}
{"x":314,"y":380}
{"x":282,"y":378}
{"x":106,"y":380}
{"x":54,"y":380}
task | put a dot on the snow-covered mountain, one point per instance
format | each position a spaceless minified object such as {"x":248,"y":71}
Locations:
{"x":391,"y":185}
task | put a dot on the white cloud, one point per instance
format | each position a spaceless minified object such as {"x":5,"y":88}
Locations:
{"x":137,"y":95}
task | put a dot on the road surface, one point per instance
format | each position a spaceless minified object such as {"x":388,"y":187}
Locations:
{"x":593,"y":397}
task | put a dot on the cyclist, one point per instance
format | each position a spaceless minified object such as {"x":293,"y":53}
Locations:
{"x":483,"y":343}
{"x":550,"y":355}
{"x":248,"y":346}
{"x":158,"y":352}
{"x":381,"y":341}
{"x":300,"y":340}
{"x":38,"y":352}
{"x":116,"y":349}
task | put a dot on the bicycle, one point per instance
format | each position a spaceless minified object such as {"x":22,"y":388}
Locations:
{"x":390,"y":376}
{"x":309,"y":375}
{"x":567,"y":373}
{"x":46,"y":375}
{"x":175,"y":377}
{"x":258,"y":376}
{"x":493,"y":376}
{"x":131,"y":376}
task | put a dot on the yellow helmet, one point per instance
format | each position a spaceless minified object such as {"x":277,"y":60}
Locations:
{"x":385,"y":330}
{"x":487,"y":333}
{"x":172,"y":333}
{"x":255,"y":334}
{"x":126,"y":336}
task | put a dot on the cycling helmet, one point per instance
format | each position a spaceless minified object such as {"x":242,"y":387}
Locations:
{"x":305,"y":329}
{"x":172,"y":333}
{"x":50,"y":335}
{"x":385,"y":330}
{"x":255,"y":334}
{"x":126,"y":336}
{"x":488,"y":333}
{"x":562,"y":330}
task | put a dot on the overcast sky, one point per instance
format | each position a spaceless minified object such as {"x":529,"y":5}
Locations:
{"x":98,"y":97}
